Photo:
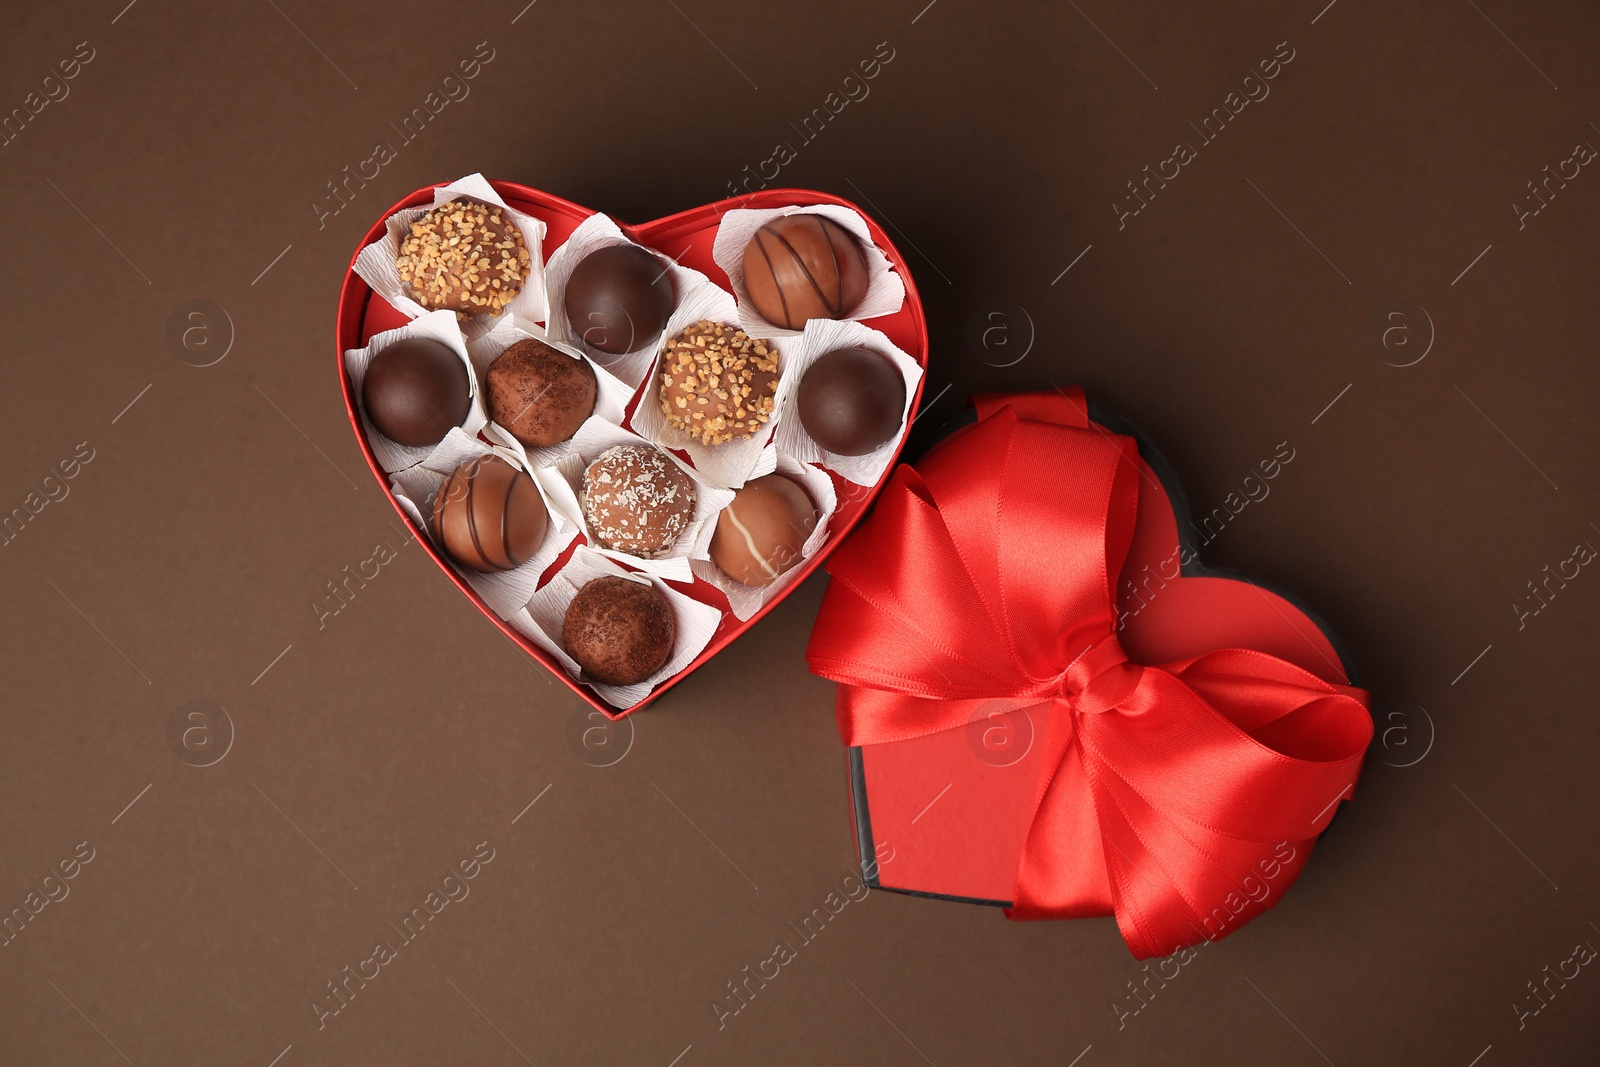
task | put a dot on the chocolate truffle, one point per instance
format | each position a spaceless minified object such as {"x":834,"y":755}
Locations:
{"x":618,"y":298}
{"x":489,"y":515}
{"x":804,"y":266}
{"x":620,"y":631}
{"x":717,"y":382}
{"x":539,"y":393}
{"x":762,"y":532}
{"x":465,"y":257}
{"x":637,"y":500}
{"x":851,"y":401}
{"x":415,"y":390}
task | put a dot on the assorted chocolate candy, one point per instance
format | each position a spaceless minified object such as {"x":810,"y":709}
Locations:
{"x":619,"y":298}
{"x":713,"y":382}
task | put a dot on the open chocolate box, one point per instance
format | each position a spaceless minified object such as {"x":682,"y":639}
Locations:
{"x":688,"y":240}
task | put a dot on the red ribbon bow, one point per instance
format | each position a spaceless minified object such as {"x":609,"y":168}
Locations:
{"x":1168,"y":791}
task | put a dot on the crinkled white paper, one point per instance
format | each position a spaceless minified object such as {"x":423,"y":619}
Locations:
{"x":375,"y":263}
{"x":545,"y":613}
{"x":822,"y":336}
{"x":594,"y":233}
{"x":747,"y":600}
{"x":886,"y":292}
{"x":505,"y":591}
{"x":437,"y":326}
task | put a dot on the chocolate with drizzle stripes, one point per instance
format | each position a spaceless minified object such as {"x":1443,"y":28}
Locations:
{"x":489,"y":516}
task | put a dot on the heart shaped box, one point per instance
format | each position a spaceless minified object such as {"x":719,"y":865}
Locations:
{"x":976,"y":787}
{"x":686,"y":237}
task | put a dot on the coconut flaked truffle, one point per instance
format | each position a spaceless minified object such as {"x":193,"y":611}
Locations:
{"x":465,"y":257}
{"x":620,"y":631}
{"x":637,"y":500}
{"x":717,"y":382}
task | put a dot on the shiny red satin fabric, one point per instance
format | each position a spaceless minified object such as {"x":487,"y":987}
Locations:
{"x":1181,"y":797}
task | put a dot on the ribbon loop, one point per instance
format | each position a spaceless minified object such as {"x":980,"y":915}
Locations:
{"x":1168,"y":788}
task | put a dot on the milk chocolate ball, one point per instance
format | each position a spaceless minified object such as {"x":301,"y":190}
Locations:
{"x":620,"y":631}
{"x":415,"y":390}
{"x":761,"y":534}
{"x":619,"y":298}
{"x":489,"y":515}
{"x":804,"y":266}
{"x":851,"y":401}
{"x":539,"y":393}
{"x":637,"y":501}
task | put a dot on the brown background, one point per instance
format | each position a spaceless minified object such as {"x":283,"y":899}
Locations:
{"x":1224,"y":318}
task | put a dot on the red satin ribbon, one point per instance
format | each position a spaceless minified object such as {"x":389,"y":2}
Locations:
{"x":1170,"y":792}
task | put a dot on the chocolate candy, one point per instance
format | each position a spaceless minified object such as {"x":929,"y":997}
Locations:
{"x":415,"y":390}
{"x":851,"y":401}
{"x":539,"y":393}
{"x":465,"y":257}
{"x":762,"y":532}
{"x":620,"y":631}
{"x":804,"y":266}
{"x":717,"y":382}
{"x":619,"y":298}
{"x":636,"y":500}
{"x":489,"y":515}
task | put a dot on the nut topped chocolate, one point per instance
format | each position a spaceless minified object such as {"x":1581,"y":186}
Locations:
{"x":620,"y":631}
{"x":637,"y":500}
{"x":464,"y":256}
{"x":717,"y":382}
{"x":539,"y":393}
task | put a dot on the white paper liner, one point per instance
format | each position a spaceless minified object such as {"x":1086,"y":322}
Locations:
{"x":822,"y":336}
{"x":437,"y":326}
{"x":611,"y":393}
{"x":506,"y":591}
{"x":886,"y":292}
{"x":595,"y":437}
{"x":730,"y":464}
{"x":375,"y":263}
{"x":541,"y":622}
{"x":594,"y":233}
{"x":745,"y":600}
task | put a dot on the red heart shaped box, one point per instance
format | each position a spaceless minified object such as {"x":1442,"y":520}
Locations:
{"x":945,"y":815}
{"x":687,"y":237}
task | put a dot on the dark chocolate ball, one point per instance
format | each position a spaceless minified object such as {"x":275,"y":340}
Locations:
{"x":489,"y":515}
{"x":762,"y":532}
{"x":804,"y":266}
{"x":620,"y":631}
{"x":851,"y":401}
{"x":415,"y":390}
{"x":619,"y":298}
{"x":539,"y":393}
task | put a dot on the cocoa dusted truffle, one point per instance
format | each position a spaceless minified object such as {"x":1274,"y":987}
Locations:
{"x":637,"y":500}
{"x":539,"y":393}
{"x":620,"y":631}
{"x":489,"y":515}
{"x":717,"y":382}
{"x":851,"y":401}
{"x":619,"y":298}
{"x":804,"y":266}
{"x":415,"y":390}
{"x":465,"y":257}
{"x":763,"y":531}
